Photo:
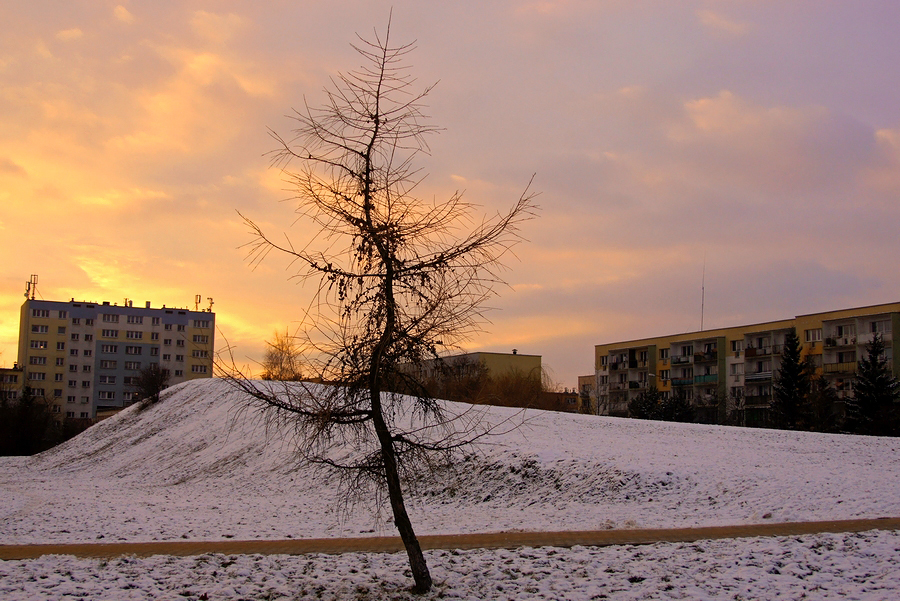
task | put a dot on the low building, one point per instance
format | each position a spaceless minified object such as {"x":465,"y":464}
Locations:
{"x":12,"y":382}
{"x":727,"y":369}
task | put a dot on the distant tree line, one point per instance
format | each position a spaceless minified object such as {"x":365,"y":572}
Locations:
{"x":28,"y":424}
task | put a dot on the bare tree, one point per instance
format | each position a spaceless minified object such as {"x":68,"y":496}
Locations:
{"x":150,"y":382}
{"x":399,"y":281}
{"x":282,"y":360}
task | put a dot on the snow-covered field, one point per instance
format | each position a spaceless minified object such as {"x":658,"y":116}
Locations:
{"x":199,"y":466}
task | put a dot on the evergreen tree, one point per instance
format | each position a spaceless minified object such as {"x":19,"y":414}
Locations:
{"x":676,"y":408}
{"x":646,"y":405}
{"x":873,"y":408}
{"x":790,"y":408}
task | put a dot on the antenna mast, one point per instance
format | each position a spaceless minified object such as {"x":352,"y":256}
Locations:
{"x":702,"y":292}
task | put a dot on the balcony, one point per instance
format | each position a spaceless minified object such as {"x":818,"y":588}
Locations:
{"x":707,"y":356}
{"x":757,"y":352}
{"x":848,"y":367}
{"x":757,"y":400}
{"x":613,"y":367}
{"x":682,"y":381}
{"x":634,"y":385}
{"x":757,"y":376}
{"x":706,"y":379}
{"x":835,"y":341}
{"x":679,"y":359}
{"x":617,"y":386}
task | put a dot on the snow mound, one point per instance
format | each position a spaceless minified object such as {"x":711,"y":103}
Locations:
{"x":203,"y":464}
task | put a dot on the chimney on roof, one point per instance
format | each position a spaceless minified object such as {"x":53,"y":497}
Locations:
{"x":147,"y":304}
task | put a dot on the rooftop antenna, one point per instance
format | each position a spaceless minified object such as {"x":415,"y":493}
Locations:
{"x":702,"y":292}
{"x":31,"y":287}
{"x":197,"y":301}
{"x":209,"y":309}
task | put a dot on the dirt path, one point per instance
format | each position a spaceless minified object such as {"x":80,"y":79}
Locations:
{"x":492,"y":540}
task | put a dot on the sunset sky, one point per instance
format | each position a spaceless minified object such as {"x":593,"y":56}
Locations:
{"x":755,"y":141}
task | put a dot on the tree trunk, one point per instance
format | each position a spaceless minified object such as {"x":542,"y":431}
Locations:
{"x":417,"y":563}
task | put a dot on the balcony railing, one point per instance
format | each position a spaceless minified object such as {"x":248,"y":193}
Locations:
{"x":762,"y":399}
{"x":677,"y":359}
{"x":706,"y":379}
{"x":757,"y":352}
{"x":840,"y":368}
{"x":833,"y":341}
{"x":707,"y":356}
{"x":632,"y":384}
{"x":757,"y":376}
{"x":682,"y":381}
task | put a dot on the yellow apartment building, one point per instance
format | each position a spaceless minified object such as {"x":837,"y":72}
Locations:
{"x":725,"y":369}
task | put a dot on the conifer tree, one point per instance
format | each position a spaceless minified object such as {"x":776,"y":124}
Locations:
{"x":790,"y":403}
{"x":873,"y":408}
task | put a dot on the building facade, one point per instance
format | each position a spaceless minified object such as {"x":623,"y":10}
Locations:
{"x":730,"y":370}
{"x":86,"y":356}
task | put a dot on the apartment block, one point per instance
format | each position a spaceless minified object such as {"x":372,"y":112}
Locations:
{"x":86,"y":356}
{"x":725,"y":369}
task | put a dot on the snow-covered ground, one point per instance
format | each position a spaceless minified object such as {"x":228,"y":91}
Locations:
{"x":200,"y":466}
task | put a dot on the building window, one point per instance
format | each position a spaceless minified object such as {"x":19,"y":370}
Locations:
{"x":37,"y":375}
{"x":85,"y":400}
{"x":86,"y":369}
{"x":134,"y":335}
{"x":737,"y":345}
{"x":84,"y":415}
{"x":200,"y":354}
{"x":70,"y":398}
{"x":154,"y":351}
{"x":663,"y":353}
{"x":109,"y":348}
{"x":107,"y":364}
{"x":75,"y":337}
{"x":60,"y":362}
{"x":107,"y":395}
{"x":40,"y":313}
{"x":129,"y":380}
{"x":60,"y":346}
{"x":76,"y":321}
{"x":63,"y":314}
{"x":133,"y":350}
{"x":57,"y":377}
{"x":201,"y":339}
{"x":167,"y":357}
{"x":880,"y":327}
{"x":88,"y":353}
{"x":179,"y":357}
{"x":168,"y":326}
{"x":61,"y":330}
{"x":107,"y":318}
{"x":179,"y":343}
{"x":132,"y":365}
{"x":135,"y":319}
{"x":39,"y":344}
{"x":88,"y":337}
{"x":85,"y":383}
{"x":73,"y":383}
{"x":154,"y":335}
{"x":198,"y":369}
{"x":70,"y":414}
{"x":156,"y":321}
{"x":107,"y":379}
{"x":201,"y":323}
{"x":167,"y":342}
{"x":109,"y":333}
{"x":57,"y":393}
{"x":37,"y":360}
{"x":40,"y":329}
{"x":181,"y":328}
{"x":40,"y":392}
{"x":73,"y":368}
{"x":179,"y":373}
{"x":89,"y":321}
{"x":664,"y":374}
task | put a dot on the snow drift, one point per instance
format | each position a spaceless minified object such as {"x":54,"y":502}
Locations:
{"x":202,"y":464}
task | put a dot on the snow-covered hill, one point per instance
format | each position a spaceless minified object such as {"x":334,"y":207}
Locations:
{"x":201,"y":465}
